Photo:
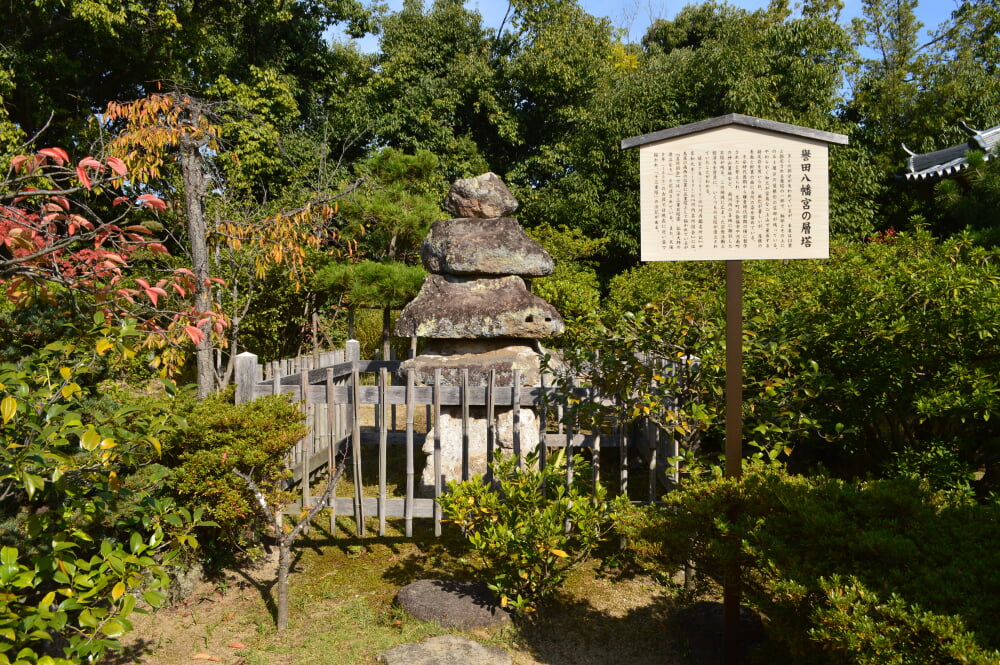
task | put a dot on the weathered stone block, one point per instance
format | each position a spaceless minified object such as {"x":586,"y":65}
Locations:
{"x":455,"y":461}
{"x":444,"y":650}
{"x":503,"y":361}
{"x":459,"y":308}
{"x":484,"y":196}
{"x":499,"y":247}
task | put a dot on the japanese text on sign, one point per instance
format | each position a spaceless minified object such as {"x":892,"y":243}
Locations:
{"x":726,"y":201}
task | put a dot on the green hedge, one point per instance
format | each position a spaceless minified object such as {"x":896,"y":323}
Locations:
{"x":893,"y":346}
{"x":884,"y":571}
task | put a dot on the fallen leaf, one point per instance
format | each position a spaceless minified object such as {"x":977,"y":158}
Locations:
{"x":237,"y":645}
{"x":205,"y":656}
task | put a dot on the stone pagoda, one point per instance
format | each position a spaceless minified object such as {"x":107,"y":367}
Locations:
{"x":476,"y":313}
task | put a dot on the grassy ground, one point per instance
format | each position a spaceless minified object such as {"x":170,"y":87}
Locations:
{"x":342,"y":612}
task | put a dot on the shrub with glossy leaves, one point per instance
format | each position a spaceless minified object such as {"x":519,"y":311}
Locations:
{"x":865,"y":362}
{"x":853,"y":573}
{"x":84,"y":535}
{"x":529,"y":529}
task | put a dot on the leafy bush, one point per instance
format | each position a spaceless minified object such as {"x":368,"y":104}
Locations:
{"x":858,"y":627}
{"x":573,"y":287}
{"x":370,"y":283}
{"x":220,"y":437}
{"x":969,"y":203}
{"x":884,"y":351}
{"x":884,"y":571}
{"x":529,"y":530}
{"x":84,"y":536}
{"x":907,"y":332}
{"x":667,"y":364}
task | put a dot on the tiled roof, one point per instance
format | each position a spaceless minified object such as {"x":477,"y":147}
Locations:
{"x":948,"y":161}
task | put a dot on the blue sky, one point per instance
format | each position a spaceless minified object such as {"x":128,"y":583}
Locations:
{"x":636,"y":15}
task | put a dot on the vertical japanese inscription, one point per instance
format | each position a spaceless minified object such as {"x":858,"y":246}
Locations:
{"x":805,"y":193}
{"x":746,"y":198}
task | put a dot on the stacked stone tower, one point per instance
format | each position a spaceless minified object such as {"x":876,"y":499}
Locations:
{"x":477,"y":314}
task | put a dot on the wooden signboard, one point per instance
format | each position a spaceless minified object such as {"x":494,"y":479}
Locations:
{"x":733,"y":188}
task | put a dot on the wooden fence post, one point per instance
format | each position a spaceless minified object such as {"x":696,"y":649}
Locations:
{"x":246,"y":377}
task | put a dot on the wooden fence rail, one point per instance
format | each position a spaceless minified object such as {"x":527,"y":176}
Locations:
{"x":354,"y":405}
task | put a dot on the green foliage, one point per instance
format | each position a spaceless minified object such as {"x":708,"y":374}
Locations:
{"x":188,"y":44}
{"x":369,"y":331}
{"x":883,"y":571}
{"x":717,"y":59}
{"x":879,"y":351}
{"x":35,"y":326}
{"x":370,"y":283}
{"x":912,"y":89}
{"x":906,"y":332}
{"x":264,"y":108}
{"x":86,"y":535}
{"x":573,"y":287}
{"x":278,"y":314}
{"x":940,"y":464}
{"x":969,"y":202}
{"x":11,"y":136}
{"x":859,"y":627}
{"x":401,"y":197}
{"x":433,"y":87}
{"x":219,"y":437}
{"x":666,"y":363}
{"x":529,"y":529}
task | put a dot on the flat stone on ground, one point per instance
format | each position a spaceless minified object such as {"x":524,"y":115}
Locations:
{"x":461,"y":605}
{"x":444,"y":650}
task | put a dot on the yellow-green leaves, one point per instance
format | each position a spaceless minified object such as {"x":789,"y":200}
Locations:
{"x":538,"y":531}
{"x":90,"y":440}
{"x":8,"y":408}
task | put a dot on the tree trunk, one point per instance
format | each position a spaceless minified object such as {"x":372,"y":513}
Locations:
{"x":197,"y":227}
{"x":284,"y":563}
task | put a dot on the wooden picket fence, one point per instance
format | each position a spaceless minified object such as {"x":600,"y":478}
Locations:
{"x":366,"y":410}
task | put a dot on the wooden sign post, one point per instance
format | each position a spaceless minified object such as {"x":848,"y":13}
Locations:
{"x":734,"y":188}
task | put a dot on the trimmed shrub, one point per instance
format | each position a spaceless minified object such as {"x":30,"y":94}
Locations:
{"x":840,"y":567}
{"x":219,"y":437}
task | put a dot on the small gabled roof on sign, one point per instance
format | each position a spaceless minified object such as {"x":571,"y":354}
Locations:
{"x":949,"y":161}
{"x":734,"y":119}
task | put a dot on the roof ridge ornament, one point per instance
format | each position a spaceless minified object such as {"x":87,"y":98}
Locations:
{"x":968,"y":130}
